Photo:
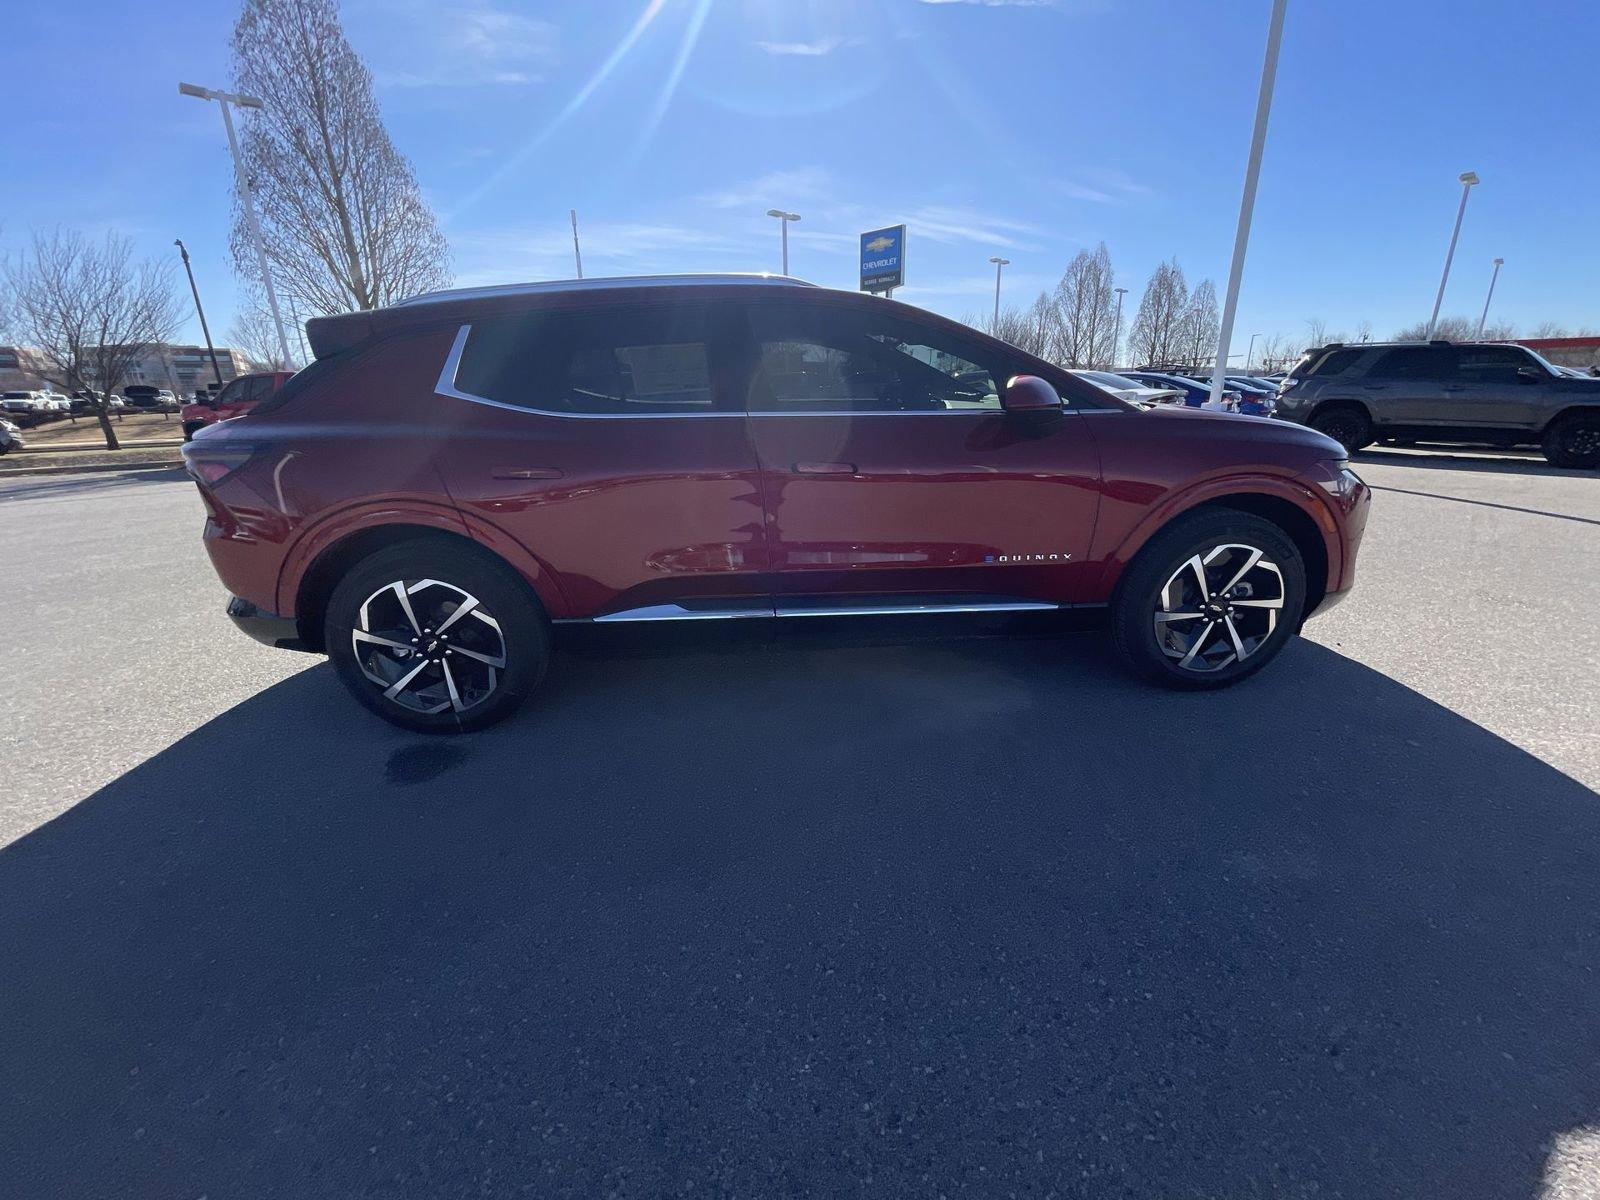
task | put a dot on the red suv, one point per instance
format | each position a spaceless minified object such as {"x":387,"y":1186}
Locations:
{"x":239,"y":397}
{"x":458,"y":473}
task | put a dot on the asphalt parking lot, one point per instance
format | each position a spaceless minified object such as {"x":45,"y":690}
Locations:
{"x":840,"y":911}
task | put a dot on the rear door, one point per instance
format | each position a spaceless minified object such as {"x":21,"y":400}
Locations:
{"x":891,"y":473}
{"x":1414,"y":385}
{"x":610,"y":445}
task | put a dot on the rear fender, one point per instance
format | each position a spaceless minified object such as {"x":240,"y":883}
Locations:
{"x":335,"y":528}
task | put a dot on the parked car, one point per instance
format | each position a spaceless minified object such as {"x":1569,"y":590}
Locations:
{"x":1130,"y":390}
{"x":1255,"y":399}
{"x":10,"y":437}
{"x":25,"y":405}
{"x":237,"y":398}
{"x":457,"y":473}
{"x":140,"y":397}
{"x":1195,"y":393}
{"x":1475,"y":393}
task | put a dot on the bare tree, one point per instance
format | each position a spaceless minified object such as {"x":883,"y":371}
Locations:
{"x":344,"y":221}
{"x":1450,"y":329}
{"x":1201,"y":324}
{"x":91,"y":312}
{"x":1156,"y":336}
{"x":254,"y":332}
{"x":1086,"y":311}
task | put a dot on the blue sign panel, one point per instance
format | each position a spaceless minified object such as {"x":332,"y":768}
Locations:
{"x":883,"y":259}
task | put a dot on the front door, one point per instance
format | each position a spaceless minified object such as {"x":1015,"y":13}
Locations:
{"x":890,"y":471}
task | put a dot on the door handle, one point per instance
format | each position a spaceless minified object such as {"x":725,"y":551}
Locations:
{"x":525,"y":473}
{"x":824,"y":468}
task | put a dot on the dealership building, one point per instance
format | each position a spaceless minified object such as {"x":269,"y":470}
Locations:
{"x":182,"y":369}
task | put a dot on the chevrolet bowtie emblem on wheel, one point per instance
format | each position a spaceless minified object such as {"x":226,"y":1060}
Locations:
{"x":1025,"y":558}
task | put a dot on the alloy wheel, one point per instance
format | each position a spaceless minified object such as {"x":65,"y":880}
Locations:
{"x":1219,"y":609}
{"x":429,"y":646}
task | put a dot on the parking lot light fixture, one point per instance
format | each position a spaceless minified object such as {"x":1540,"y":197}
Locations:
{"x":199,"y":311}
{"x":1498,"y":263}
{"x":783,"y":221}
{"x":226,"y":101}
{"x":1467,"y":179}
{"x":1247,"y":203}
{"x":999,"y":265}
{"x":1116,"y":328}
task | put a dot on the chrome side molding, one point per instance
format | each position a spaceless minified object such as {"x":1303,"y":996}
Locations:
{"x":680,"y":612}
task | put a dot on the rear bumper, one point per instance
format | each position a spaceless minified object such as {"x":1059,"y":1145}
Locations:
{"x":281,"y":633}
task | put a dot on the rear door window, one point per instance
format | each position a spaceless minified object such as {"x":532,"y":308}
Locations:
{"x":642,"y":363}
{"x":1431,"y":364}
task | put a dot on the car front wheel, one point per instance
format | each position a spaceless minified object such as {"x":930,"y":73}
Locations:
{"x":1345,"y":424}
{"x":1209,"y":600}
{"x":436,"y":637}
{"x":1574,"y":442}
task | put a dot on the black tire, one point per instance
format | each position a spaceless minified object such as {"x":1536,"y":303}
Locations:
{"x":436,"y":573}
{"x":1574,"y":441}
{"x":1263,"y":630}
{"x":1345,"y":424}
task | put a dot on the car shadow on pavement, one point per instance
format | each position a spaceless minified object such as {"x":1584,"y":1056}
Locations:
{"x":1489,"y":462}
{"x":819,"y":916}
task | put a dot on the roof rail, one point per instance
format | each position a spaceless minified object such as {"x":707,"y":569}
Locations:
{"x":603,"y":283}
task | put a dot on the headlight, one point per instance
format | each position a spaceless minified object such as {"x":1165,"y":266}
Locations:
{"x":1342,"y":481}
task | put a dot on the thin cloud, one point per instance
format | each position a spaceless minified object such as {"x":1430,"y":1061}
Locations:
{"x":816,"y":49}
{"x":470,"y":44}
{"x":1104,"y":185}
{"x":792,"y":188}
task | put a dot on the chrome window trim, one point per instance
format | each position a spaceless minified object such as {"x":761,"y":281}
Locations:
{"x":446,"y":386}
{"x":602,"y":284}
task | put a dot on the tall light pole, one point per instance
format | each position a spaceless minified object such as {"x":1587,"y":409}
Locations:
{"x":1116,"y":329}
{"x":577,"y":255}
{"x":1467,"y":178}
{"x":205,"y":329}
{"x":226,"y":100}
{"x":1498,"y":263}
{"x":999,"y":265}
{"x":1250,"y":354}
{"x":783,"y":219}
{"x":1247,"y":204}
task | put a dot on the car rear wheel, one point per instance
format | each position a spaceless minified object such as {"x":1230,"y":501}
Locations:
{"x":1209,"y":600}
{"x":1574,"y":441}
{"x":1345,"y":424}
{"x":436,"y":637}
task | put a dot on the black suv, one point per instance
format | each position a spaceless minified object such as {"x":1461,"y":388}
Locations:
{"x":1467,"y":392}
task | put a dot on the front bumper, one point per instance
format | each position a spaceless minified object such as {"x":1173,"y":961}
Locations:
{"x":281,"y":633}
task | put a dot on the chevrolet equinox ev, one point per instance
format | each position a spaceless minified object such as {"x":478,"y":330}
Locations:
{"x":458,"y":473}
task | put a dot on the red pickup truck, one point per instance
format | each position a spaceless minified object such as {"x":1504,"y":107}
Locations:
{"x":238,"y":398}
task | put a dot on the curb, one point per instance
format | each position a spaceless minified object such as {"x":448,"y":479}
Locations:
{"x":168,"y":464}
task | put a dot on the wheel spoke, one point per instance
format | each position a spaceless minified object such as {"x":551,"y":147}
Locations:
{"x":467,"y":605}
{"x":361,"y":635}
{"x":1179,"y":616}
{"x":1199,"y":644}
{"x":1278,"y":603}
{"x":1233,"y":634}
{"x":399,"y":685}
{"x":487,"y":659}
{"x":399,"y":589}
{"x":1255,"y":557}
{"x":1199,"y":569}
{"x":450,"y":682}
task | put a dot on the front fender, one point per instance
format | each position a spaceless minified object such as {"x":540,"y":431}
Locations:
{"x":1175,"y":504}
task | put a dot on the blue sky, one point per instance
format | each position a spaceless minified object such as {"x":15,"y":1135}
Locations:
{"x":1025,"y":129}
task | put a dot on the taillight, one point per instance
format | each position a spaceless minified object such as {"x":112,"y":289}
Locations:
{"x":210,"y":465}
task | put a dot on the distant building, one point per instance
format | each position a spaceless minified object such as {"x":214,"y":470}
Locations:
{"x":19,"y":370}
{"x":183,"y":369}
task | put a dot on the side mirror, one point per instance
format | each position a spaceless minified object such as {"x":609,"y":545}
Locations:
{"x":1029,"y":393}
{"x":1529,"y":375}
